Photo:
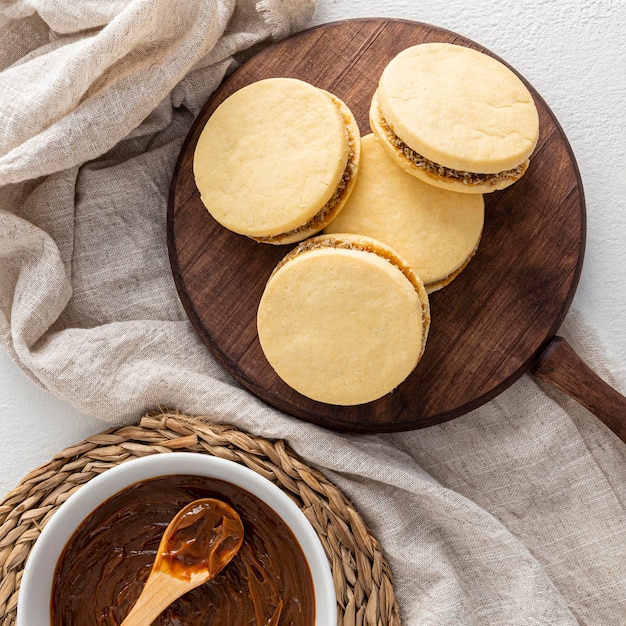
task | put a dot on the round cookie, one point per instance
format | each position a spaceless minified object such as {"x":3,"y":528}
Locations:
{"x":455,"y":117}
{"x":343,"y":319}
{"x":277,"y":160}
{"x":435,"y":230}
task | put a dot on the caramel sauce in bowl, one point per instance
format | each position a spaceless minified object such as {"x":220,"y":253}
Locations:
{"x":102,"y":541}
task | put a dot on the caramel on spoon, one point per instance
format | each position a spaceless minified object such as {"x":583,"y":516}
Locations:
{"x":197,"y":544}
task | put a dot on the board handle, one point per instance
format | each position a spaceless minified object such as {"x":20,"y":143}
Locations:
{"x":559,"y":365}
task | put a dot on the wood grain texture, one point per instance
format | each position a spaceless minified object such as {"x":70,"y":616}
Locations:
{"x":487,"y":325}
{"x":161,"y":589}
{"x":559,"y":365}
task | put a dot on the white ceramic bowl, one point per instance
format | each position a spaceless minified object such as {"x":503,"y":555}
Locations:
{"x":33,"y":607}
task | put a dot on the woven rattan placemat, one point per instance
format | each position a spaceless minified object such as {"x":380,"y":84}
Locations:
{"x":362,"y":577}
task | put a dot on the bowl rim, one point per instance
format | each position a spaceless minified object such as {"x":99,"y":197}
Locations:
{"x":33,"y":606}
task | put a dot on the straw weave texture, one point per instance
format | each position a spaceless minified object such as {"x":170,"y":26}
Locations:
{"x":362,"y":577}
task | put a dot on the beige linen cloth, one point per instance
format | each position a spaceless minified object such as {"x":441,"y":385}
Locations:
{"x":511,"y":515}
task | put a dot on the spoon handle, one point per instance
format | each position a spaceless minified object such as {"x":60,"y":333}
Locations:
{"x":159,"y":592}
{"x":559,"y":365}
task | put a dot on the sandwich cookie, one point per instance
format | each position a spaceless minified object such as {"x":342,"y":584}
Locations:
{"x":277,"y":160}
{"x":343,"y":319}
{"x":435,"y":230}
{"x":455,"y":118}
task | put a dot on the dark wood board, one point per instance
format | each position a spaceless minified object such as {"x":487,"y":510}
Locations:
{"x":487,"y":325}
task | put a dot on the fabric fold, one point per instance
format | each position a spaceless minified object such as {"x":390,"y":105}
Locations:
{"x":104,"y":69}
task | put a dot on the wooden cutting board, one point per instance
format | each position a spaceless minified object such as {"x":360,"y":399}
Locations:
{"x":487,"y":325}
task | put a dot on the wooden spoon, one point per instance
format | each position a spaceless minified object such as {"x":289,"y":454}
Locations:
{"x":198,"y":543}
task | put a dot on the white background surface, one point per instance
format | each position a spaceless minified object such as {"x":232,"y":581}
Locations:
{"x":573,"y":53}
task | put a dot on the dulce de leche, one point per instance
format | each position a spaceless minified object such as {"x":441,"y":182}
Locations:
{"x":205,"y":536}
{"x":104,"y":566}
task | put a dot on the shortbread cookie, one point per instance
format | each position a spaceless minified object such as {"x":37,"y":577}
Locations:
{"x":277,"y":160}
{"x":343,"y":319}
{"x":455,"y":117}
{"x":435,"y":230}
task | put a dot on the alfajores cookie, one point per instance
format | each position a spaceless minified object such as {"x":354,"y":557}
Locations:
{"x":435,"y":230}
{"x":343,"y":319}
{"x":277,"y":160}
{"x":455,"y":117}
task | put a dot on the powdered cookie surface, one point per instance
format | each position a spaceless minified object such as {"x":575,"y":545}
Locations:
{"x":273,"y":156}
{"x":340,"y":322}
{"x":459,"y":109}
{"x":436,"y":231}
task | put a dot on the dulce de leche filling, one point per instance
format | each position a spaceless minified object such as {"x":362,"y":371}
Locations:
{"x":104,"y":566}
